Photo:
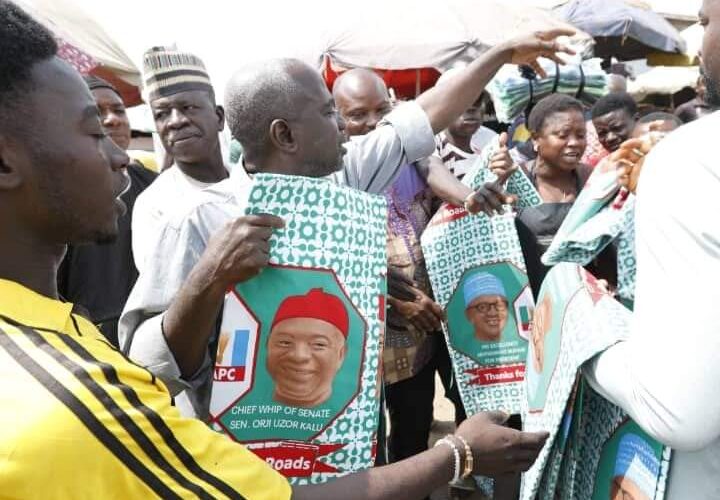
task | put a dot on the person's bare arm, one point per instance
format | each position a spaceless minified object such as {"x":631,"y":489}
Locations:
{"x":235,"y":254}
{"x":413,"y":478}
{"x":449,"y":189}
{"x":488,"y":199}
{"x":443,"y":183}
{"x":444,"y":103}
{"x":496,"y":450}
{"x":420,"y":310}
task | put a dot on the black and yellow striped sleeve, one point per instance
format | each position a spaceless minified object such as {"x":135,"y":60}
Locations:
{"x":79,"y":420}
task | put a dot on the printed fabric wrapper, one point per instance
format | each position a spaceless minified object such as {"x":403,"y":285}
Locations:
{"x":603,"y":213}
{"x":556,"y":470}
{"x":472,"y":259}
{"x":481,"y":228}
{"x":297,"y":373}
{"x":610,"y":452}
{"x":575,"y":318}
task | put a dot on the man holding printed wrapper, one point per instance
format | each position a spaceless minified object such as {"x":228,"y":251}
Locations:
{"x":212,"y":246}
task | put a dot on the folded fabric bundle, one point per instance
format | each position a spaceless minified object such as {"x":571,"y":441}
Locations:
{"x":603,"y":213}
{"x":515,"y":88}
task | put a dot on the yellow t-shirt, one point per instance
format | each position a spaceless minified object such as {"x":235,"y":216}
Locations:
{"x":144,"y":158}
{"x":78,"y":420}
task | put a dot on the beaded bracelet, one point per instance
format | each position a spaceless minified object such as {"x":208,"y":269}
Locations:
{"x":456,"y":453}
{"x":467,"y":470}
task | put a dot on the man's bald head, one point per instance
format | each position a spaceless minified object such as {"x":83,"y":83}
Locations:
{"x":358,"y":81}
{"x":255,"y":96}
{"x":283,"y":115}
{"x":362,"y":99}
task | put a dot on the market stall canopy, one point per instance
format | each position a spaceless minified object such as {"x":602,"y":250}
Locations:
{"x":669,"y":9}
{"x":621,"y":29}
{"x":387,"y":35}
{"x":663,"y":80}
{"x":674,"y":8}
{"x":693,"y":37}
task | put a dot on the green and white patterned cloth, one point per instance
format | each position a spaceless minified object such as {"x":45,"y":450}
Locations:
{"x":460,"y":249}
{"x":328,"y":262}
{"x":518,"y":184}
{"x":608,"y":447}
{"x":602,"y":214}
{"x":574,"y":320}
{"x":592,"y":442}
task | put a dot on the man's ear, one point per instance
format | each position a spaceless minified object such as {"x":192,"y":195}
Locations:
{"x":220,"y":112}
{"x":282,"y":136}
{"x":343,"y":353}
{"x":10,"y":176}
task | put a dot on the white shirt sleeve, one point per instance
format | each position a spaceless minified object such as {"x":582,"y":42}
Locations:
{"x":666,"y":375}
{"x":144,"y":224}
{"x":373,"y":161}
{"x":176,"y":250}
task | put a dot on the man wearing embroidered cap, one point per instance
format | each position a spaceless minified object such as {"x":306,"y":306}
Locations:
{"x":306,"y":347}
{"x":486,"y":306}
{"x":188,"y":121}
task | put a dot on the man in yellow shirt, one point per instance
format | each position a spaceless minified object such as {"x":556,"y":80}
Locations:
{"x":78,"y":419}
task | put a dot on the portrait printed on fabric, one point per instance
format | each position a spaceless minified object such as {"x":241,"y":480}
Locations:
{"x":289,"y":355}
{"x":544,"y":350}
{"x":489,"y":314}
{"x":629,"y":465}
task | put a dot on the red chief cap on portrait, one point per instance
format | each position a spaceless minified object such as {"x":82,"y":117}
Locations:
{"x":315,"y":304}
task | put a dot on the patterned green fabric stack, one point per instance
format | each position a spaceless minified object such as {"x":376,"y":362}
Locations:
{"x":297,"y":376}
{"x":513,"y":93}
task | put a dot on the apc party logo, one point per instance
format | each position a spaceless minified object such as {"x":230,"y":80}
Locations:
{"x":236,"y":353}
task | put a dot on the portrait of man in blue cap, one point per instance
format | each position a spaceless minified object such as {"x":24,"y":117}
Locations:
{"x":636,"y":470}
{"x":486,"y":306}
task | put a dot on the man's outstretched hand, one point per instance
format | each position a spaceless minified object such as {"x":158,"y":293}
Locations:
{"x":491,"y":197}
{"x":497,"y":449}
{"x":424,"y":313}
{"x":526,"y":49}
{"x":630,"y":157}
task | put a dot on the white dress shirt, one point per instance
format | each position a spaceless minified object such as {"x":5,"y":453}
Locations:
{"x":667,"y":374}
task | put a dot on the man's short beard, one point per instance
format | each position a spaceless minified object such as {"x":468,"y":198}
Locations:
{"x":712,"y":91}
{"x":319,"y":170}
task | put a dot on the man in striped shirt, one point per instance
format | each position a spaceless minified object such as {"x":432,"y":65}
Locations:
{"x":466,"y":136}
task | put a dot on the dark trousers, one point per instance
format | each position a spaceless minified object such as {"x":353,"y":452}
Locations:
{"x":410,"y":404}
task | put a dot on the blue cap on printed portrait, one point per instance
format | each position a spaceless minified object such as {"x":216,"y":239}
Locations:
{"x":636,"y":461}
{"x":482,"y":285}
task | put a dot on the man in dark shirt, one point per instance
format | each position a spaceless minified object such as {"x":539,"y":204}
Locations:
{"x":99,"y":276}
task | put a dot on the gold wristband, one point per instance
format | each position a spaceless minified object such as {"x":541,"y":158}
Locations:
{"x":467,"y":470}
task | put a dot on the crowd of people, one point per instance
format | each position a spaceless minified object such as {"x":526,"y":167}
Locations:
{"x":112,"y":277}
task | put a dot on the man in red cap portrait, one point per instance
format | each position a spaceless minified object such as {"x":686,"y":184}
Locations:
{"x":306,"y":347}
